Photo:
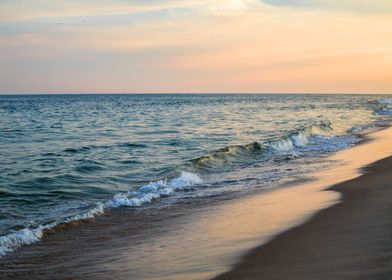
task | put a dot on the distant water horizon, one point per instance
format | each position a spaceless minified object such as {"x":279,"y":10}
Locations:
{"x":193,"y":93}
{"x":69,"y":157}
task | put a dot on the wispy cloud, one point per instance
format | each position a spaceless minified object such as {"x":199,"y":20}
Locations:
{"x":36,"y":9}
{"x":192,"y":45}
{"x":363,"y":6}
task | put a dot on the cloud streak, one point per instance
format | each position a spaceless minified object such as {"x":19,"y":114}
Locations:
{"x":364,"y":6}
{"x":191,"y":46}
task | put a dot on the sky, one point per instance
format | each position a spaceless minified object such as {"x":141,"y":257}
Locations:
{"x":195,"y":46}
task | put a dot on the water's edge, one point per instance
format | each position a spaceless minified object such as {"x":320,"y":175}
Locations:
{"x":217,"y":236}
{"x":354,"y":168}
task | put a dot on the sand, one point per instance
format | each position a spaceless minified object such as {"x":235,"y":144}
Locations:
{"x":352,"y":240}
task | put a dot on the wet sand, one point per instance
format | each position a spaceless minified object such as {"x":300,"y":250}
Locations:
{"x":352,"y":240}
{"x":202,"y":238}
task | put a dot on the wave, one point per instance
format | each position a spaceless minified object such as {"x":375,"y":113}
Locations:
{"x":145,"y":194}
{"x":385,"y":107}
{"x":132,"y":145}
{"x":155,"y":190}
{"x":77,"y":150}
{"x":384,"y":112}
{"x":230,"y":153}
{"x":290,"y":141}
{"x":10,"y":242}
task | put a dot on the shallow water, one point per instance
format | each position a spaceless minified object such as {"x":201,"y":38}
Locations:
{"x":70,"y":157}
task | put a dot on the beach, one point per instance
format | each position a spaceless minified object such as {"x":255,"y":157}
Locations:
{"x":351,"y":240}
{"x":195,"y":140}
{"x":252,"y":237}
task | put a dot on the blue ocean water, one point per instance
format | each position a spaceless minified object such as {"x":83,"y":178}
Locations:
{"x":71,"y":157}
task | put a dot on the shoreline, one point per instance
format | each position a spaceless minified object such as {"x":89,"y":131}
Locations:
{"x":350,"y":240}
{"x":218,"y":233}
{"x":318,"y":247}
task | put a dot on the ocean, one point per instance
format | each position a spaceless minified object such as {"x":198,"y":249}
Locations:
{"x":67,"y":158}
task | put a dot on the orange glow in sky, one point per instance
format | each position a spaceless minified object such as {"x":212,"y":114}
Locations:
{"x":75,"y":46}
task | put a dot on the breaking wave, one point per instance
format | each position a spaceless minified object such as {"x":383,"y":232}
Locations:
{"x":145,"y":194}
{"x":319,"y":134}
{"x":288,"y":142}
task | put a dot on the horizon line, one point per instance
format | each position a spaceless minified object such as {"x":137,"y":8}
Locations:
{"x":194,"y":93}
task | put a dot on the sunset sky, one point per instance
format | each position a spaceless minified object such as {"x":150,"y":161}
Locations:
{"x":119,"y":46}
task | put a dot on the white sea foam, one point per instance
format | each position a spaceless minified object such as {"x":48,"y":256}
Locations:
{"x":145,"y":194}
{"x":290,"y":143}
{"x":97,"y":210}
{"x":155,"y":190}
{"x":299,"y":140}
{"x":283,"y":145}
{"x":21,"y":237}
